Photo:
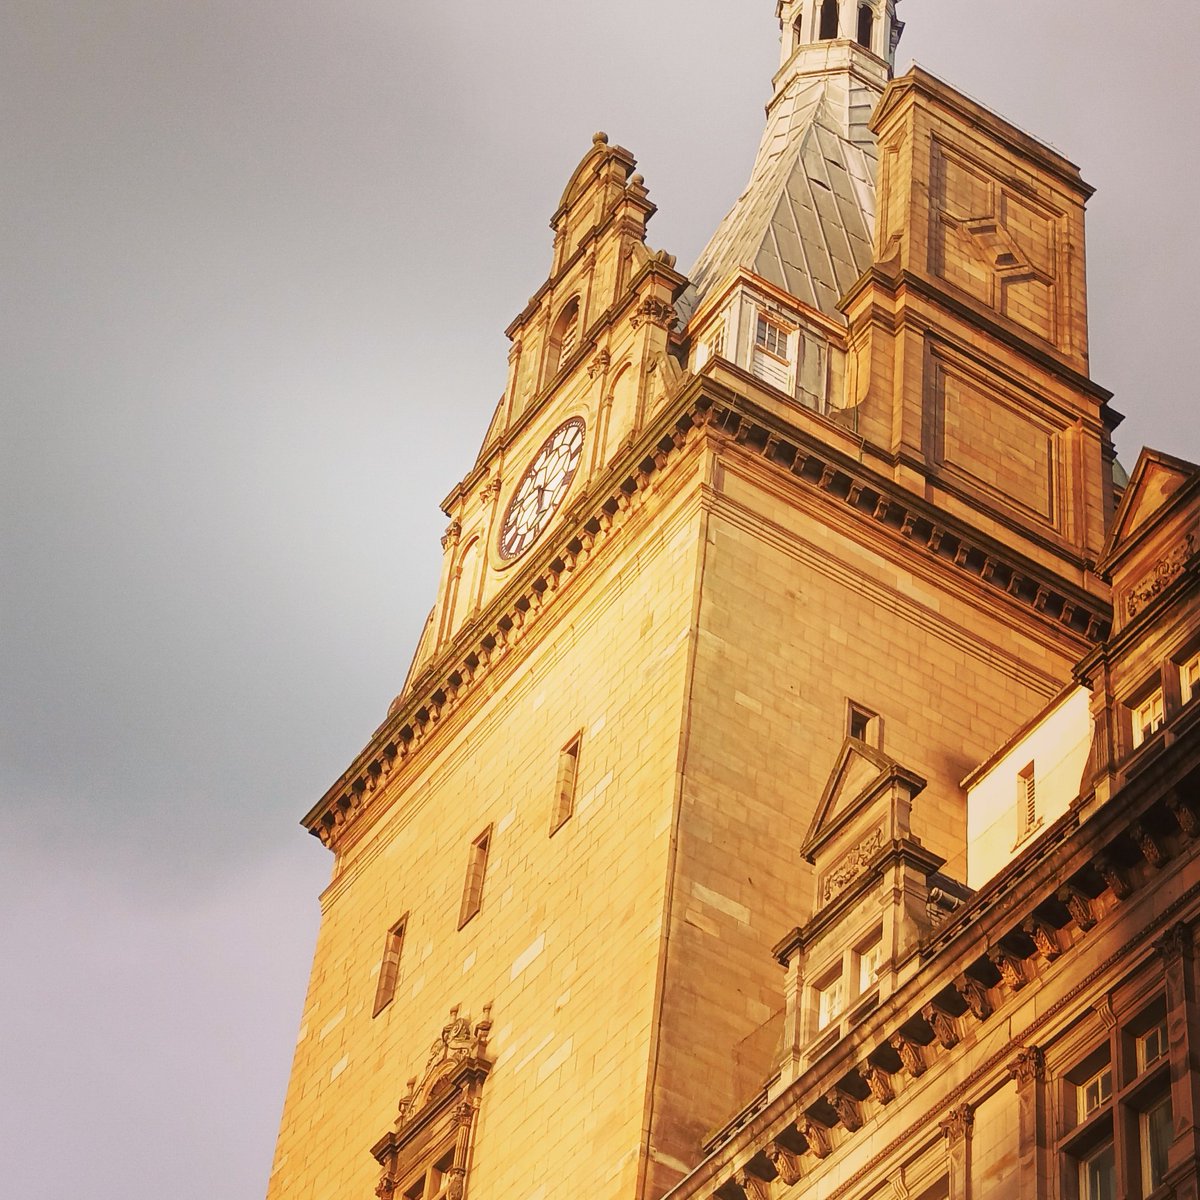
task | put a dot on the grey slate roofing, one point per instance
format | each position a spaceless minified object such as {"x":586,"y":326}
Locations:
{"x":806,"y":219}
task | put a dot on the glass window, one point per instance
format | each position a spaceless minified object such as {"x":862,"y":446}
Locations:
{"x":1096,"y":1091}
{"x":870,"y":960}
{"x":1098,"y":1175}
{"x":1148,"y":717}
{"x":771,"y":336}
{"x":1155,"y":1134}
{"x":1189,"y":678}
{"x":1151,"y":1046}
{"x":1027,"y":814}
{"x":831,"y":1001}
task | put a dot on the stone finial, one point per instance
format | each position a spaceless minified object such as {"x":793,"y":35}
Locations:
{"x":600,"y":138}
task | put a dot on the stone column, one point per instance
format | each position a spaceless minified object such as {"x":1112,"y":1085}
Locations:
{"x":1178,"y":952}
{"x":1034,"y":1158}
{"x":957,"y":1126}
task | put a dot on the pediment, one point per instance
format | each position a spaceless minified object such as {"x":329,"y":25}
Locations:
{"x":1156,"y":479}
{"x":860,"y":774}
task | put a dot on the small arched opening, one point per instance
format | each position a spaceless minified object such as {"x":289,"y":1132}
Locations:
{"x":829,"y":20}
{"x":564,"y":338}
{"x":798,"y":31}
{"x":866,"y":25}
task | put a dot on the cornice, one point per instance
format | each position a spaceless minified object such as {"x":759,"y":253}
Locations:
{"x":1021,"y":928}
{"x":456,"y":672}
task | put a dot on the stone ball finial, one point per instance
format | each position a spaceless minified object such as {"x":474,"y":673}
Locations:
{"x":600,"y":138}
{"x":638,"y":180}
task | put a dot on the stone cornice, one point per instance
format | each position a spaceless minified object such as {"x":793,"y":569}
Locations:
{"x":1029,"y":920}
{"x":453,"y":674}
{"x":868,"y":497}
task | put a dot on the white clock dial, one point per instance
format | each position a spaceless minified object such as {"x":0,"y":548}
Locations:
{"x":542,"y":488}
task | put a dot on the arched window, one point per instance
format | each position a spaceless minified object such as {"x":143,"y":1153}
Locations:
{"x":564,"y":337}
{"x":866,"y":25}
{"x":798,"y":31}
{"x":829,"y":20}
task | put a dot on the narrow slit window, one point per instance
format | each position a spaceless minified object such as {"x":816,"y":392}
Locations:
{"x":389,"y":967}
{"x":472,"y":899}
{"x":866,"y":25}
{"x":1027,"y":811}
{"x":564,"y":787}
{"x":797,"y":32}
{"x":864,"y":725}
{"x":829,"y":20}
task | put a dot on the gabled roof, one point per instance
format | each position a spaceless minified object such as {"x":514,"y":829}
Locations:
{"x":1156,"y":478}
{"x":806,"y":219}
{"x":858,"y":776}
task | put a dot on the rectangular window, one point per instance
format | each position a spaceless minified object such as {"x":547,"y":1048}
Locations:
{"x":1154,"y":1136}
{"x":863,"y":724}
{"x":870,"y":961}
{"x":476,"y":869}
{"x":1148,"y":717}
{"x":831,"y":1001}
{"x":771,"y":337}
{"x":1098,"y":1175}
{"x":564,"y":787}
{"x":1096,"y":1092}
{"x":716,"y":340}
{"x":1189,"y":679}
{"x":1027,"y":814}
{"x":389,"y":968}
{"x":1151,"y":1046}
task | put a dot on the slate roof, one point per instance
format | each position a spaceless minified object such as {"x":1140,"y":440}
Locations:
{"x":806,"y":219}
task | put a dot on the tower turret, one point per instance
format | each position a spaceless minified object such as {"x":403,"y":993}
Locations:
{"x":871,"y":24}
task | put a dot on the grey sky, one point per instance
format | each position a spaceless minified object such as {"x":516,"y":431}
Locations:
{"x":256,"y":260}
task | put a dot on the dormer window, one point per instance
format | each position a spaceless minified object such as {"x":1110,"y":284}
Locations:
{"x":866,"y":25}
{"x":1148,"y":717}
{"x":772,"y":362}
{"x":829,"y":20}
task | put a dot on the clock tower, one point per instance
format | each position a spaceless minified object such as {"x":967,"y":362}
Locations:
{"x":841,"y":486}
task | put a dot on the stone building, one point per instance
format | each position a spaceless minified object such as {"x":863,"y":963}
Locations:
{"x":795,"y":788}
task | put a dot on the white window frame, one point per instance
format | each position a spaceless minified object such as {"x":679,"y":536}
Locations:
{"x":1189,"y":678}
{"x":1149,"y":716}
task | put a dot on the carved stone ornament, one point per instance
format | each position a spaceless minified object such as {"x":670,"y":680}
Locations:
{"x":1011,"y":968}
{"x":752,"y":1187}
{"x":653,"y":312}
{"x":958,"y":1123}
{"x":1185,"y":815}
{"x":452,"y":534}
{"x":599,"y":364}
{"x":489,"y":492}
{"x":1171,"y":946}
{"x":786,"y":1164}
{"x":878,"y":1081}
{"x":814,"y":1135}
{"x":1029,"y":1066}
{"x":436,"y":1115}
{"x":1156,"y":581}
{"x":1044,"y":938}
{"x":910,"y":1054}
{"x":942,"y":1025}
{"x":975,"y":995}
{"x":850,"y":866}
{"x":1151,"y":848}
{"x":846,"y":1108}
{"x":1114,"y":876}
{"x":1079,"y":906}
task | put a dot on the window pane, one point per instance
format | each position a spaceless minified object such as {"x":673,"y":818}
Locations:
{"x":1098,"y":1176}
{"x":830,"y":1002}
{"x":1156,"y":1133}
{"x":1151,"y":1046}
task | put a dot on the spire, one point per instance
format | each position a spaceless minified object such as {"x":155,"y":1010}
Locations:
{"x":806,"y":219}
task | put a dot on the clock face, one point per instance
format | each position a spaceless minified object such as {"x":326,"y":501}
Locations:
{"x":542,"y":488}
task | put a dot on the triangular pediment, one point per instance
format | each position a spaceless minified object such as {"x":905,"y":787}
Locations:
{"x":859,"y":775}
{"x":1156,"y":478}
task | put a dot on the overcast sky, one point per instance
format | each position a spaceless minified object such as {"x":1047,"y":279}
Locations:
{"x":256,"y":260}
